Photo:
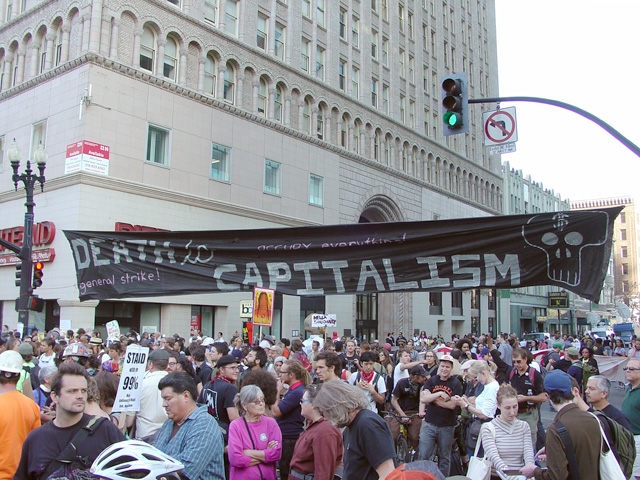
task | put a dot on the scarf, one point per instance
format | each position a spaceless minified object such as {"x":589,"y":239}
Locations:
{"x":223,"y":378}
{"x":367,"y":378}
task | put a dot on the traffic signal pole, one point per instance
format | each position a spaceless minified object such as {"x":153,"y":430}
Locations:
{"x":547,"y":101}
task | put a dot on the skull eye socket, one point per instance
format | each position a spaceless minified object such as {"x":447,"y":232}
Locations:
{"x":573,"y":238}
{"x":549,"y":238}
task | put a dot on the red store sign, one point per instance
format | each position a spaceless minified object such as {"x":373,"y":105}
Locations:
{"x":43,"y":234}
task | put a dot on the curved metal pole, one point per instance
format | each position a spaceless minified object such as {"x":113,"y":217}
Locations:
{"x":616,"y":134}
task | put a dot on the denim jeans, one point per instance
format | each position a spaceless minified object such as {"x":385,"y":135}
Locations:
{"x":430,"y":435}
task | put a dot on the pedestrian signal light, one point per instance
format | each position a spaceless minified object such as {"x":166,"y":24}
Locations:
{"x":18,"y":274}
{"x":455,"y":104}
{"x":37,"y":274}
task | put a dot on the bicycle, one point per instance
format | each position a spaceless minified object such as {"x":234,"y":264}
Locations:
{"x":405,"y":452}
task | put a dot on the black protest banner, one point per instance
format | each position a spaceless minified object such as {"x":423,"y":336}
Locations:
{"x":570,"y":250}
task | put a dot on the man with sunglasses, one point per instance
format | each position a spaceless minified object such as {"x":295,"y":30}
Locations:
{"x":631,"y":406}
{"x":287,"y":411}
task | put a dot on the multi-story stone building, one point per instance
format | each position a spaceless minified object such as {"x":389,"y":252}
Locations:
{"x":239,"y":114}
{"x":625,"y":251}
{"x":529,"y":310}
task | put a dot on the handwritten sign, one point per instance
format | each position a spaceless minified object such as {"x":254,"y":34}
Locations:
{"x":323,"y":321}
{"x":263,"y":306}
{"x":113,"y":329}
{"x":130,"y":386}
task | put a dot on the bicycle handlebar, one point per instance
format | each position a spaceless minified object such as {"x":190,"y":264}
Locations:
{"x":407,"y":417}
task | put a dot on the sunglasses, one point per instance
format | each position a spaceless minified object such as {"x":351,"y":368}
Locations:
{"x":631,"y":369}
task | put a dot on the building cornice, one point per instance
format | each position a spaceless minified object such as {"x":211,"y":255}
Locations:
{"x":147,"y":191}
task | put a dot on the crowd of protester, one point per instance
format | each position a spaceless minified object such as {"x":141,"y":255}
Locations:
{"x":313,"y":409}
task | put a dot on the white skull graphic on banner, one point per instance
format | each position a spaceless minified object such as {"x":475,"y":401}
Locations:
{"x":563,"y":244}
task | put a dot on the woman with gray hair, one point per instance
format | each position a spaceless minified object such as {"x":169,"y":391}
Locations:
{"x":370,"y":451}
{"x":255,"y":441}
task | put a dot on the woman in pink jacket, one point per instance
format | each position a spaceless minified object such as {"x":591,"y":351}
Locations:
{"x":255,"y":441}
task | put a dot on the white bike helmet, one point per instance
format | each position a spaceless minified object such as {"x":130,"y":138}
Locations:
{"x":134,"y":459}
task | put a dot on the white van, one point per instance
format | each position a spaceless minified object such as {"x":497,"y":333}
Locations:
{"x":601,"y":332}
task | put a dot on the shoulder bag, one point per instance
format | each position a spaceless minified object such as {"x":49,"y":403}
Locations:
{"x":70,"y":453}
{"x":252,"y":444}
{"x":609,"y":466}
{"x":479,"y":468}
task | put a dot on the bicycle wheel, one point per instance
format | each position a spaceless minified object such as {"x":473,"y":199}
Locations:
{"x":402,"y":449}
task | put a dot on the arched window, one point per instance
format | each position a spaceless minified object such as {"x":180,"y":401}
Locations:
{"x":344,"y":131}
{"x":58,"y":50}
{"x":320,"y":123}
{"x":147,"y":49}
{"x":229,"y":83}
{"x":306,"y":116}
{"x":210,"y":76}
{"x":405,"y":166}
{"x":277,"y":105}
{"x":262,"y":97}
{"x":387,"y":151}
{"x":356,"y":138}
{"x":376,"y":147}
{"x":170,"y":67}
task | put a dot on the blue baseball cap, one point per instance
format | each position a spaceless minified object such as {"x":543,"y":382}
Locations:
{"x":557,"y":380}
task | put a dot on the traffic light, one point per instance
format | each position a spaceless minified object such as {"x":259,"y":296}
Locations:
{"x":455,"y":103}
{"x":36,"y":303}
{"x":18,"y":274}
{"x":37,"y":274}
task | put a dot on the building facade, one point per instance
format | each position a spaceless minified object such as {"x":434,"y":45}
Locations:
{"x":625,"y":252}
{"x":529,"y":306}
{"x":241,"y":114}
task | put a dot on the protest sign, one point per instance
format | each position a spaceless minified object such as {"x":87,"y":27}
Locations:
{"x":113,"y":329}
{"x":323,"y":321}
{"x":130,"y":386}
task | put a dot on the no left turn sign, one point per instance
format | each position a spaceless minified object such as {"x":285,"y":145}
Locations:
{"x":500,"y":126}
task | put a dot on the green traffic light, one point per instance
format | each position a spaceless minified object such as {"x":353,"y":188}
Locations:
{"x":453,"y":119}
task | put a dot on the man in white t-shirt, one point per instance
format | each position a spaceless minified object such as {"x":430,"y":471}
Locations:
{"x":48,"y":355}
{"x":370,"y":381}
{"x":404,"y":365}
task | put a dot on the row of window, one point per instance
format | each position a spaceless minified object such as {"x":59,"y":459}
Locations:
{"x":158,"y":153}
{"x":38,"y":136}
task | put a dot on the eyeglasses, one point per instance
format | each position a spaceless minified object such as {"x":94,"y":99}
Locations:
{"x":305,"y":400}
{"x":231,"y":367}
{"x":259,"y":401}
{"x":631,"y":369}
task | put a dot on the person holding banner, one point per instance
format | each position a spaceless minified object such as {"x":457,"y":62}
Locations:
{"x":190,"y":435}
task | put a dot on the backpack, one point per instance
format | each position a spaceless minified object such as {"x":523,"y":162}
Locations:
{"x":304,"y":360}
{"x":532,"y":375}
{"x":621,"y":440}
{"x":379,"y":407}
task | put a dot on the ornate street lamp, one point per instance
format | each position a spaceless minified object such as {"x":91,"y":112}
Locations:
{"x":29,"y":179}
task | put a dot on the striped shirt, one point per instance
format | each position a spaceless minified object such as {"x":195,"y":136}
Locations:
{"x":197,"y":445}
{"x":507,"y":444}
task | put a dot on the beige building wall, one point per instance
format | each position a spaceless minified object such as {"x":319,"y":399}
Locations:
{"x":380,"y":153}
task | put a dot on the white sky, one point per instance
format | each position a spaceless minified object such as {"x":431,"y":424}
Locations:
{"x":585,"y":53}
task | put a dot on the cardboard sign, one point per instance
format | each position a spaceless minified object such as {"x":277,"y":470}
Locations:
{"x":263,"y":306}
{"x":130,"y":386}
{"x":323,"y":321}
